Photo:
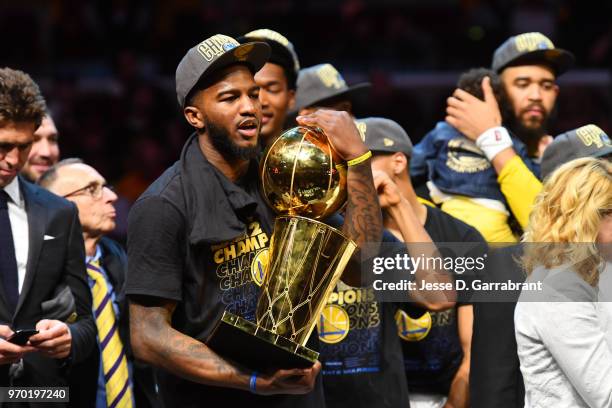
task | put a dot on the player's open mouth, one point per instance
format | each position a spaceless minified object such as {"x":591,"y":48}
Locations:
{"x":248,"y":128}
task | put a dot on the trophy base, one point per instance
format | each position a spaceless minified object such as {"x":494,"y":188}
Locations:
{"x":257,"y":348}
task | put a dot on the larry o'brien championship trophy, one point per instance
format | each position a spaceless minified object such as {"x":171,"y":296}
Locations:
{"x":303,"y":180}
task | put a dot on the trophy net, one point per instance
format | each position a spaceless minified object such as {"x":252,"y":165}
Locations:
{"x":307,"y":258}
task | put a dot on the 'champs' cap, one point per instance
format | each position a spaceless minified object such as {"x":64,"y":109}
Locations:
{"x":321,"y":82}
{"x":531,"y":49}
{"x":383,"y":135}
{"x":586,"y":141}
{"x":283,"y":53}
{"x":212,"y":54}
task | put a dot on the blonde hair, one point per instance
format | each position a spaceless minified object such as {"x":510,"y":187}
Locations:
{"x":569,"y":210}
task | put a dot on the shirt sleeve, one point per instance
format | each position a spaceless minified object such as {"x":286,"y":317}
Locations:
{"x":520,"y":187}
{"x":156,"y":249}
{"x":422,"y":153}
{"x":572,"y":333}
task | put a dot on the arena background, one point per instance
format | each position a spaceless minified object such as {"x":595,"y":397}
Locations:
{"x":107,"y":67}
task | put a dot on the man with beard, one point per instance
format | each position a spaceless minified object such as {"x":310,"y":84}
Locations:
{"x":458,"y":175}
{"x":529,"y":65}
{"x":188,"y":233}
{"x":44,"y":152}
{"x":276,"y":81}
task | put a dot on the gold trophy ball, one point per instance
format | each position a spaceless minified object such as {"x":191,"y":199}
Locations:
{"x":301,"y":174}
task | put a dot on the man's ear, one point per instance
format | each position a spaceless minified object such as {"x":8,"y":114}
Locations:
{"x":399,"y":163}
{"x":194,"y":117}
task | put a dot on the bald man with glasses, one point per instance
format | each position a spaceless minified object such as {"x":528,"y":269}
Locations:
{"x":108,"y":377}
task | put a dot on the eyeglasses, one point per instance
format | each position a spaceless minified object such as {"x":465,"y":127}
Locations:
{"x":94,"y":190}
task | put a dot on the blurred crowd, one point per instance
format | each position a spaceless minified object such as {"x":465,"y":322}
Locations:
{"x":473,"y":128}
{"x":107,"y":67}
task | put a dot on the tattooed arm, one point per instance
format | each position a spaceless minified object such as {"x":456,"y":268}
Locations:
{"x":156,"y":342}
{"x":363,"y":218}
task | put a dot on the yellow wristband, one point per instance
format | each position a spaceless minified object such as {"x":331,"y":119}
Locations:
{"x":360,"y":159}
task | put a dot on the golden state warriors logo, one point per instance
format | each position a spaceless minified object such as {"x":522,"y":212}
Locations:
{"x":259,"y":265}
{"x":333,"y":324}
{"x":410,"y":329}
{"x":591,"y":134}
{"x":465,"y":157}
{"x":241,"y":260}
{"x":533,"y":41}
{"x":330,"y":77}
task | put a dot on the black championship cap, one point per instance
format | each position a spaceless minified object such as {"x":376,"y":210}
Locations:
{"x":586,"y":141}
{"x":212,"y":54}
{"x":384,"y":136}
{"x":283,"y":52}
{"x":322,"y":82}
{"x":531,"y":49}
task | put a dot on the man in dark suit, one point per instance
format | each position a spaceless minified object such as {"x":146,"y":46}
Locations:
{"x":41,"y":252}
{"x":106,"y":260}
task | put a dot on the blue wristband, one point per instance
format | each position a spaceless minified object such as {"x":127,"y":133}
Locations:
{"x":253,"y":383}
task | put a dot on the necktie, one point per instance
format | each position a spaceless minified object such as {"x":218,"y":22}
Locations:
{"x":114,"y":360}
{"x":8,"y":262}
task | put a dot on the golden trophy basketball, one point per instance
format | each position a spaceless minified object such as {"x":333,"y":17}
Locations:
{"x":303,"y":180}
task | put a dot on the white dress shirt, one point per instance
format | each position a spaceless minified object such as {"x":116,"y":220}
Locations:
{"x":19,"y":226}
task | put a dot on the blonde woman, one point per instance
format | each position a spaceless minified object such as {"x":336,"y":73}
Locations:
{"x":566,"y":359}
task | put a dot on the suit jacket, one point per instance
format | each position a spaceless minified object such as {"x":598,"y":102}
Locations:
{"x":52,"y":263}
{"x":495,"y":374}
{"x":84,"y":376}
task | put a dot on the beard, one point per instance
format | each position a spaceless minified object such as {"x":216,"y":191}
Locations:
{"x":220,"y":139}
{"x":531,"y":134}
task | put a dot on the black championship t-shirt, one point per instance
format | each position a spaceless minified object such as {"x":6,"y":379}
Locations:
{"x":360,"y":351}
{"x":201,"y":240}
{"x":430,"y":340}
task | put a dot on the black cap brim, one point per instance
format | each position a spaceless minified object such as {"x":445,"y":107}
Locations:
{"x":558,"y":59}
{"x":279,"y":55}
{"x":352,"y":93}
{"x":277,"y":49}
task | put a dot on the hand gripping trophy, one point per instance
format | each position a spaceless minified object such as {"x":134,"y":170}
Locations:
{"x":304,"y":181}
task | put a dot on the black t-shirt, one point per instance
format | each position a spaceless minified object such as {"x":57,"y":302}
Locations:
{"x":495,"y":373}
{"x":360,"y":351}
{"x":199,"y":239}
{"x":430,"y":340}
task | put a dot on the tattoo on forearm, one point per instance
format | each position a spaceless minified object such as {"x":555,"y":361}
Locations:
{"x":176,"y":352}
{"x":363,"y":221}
